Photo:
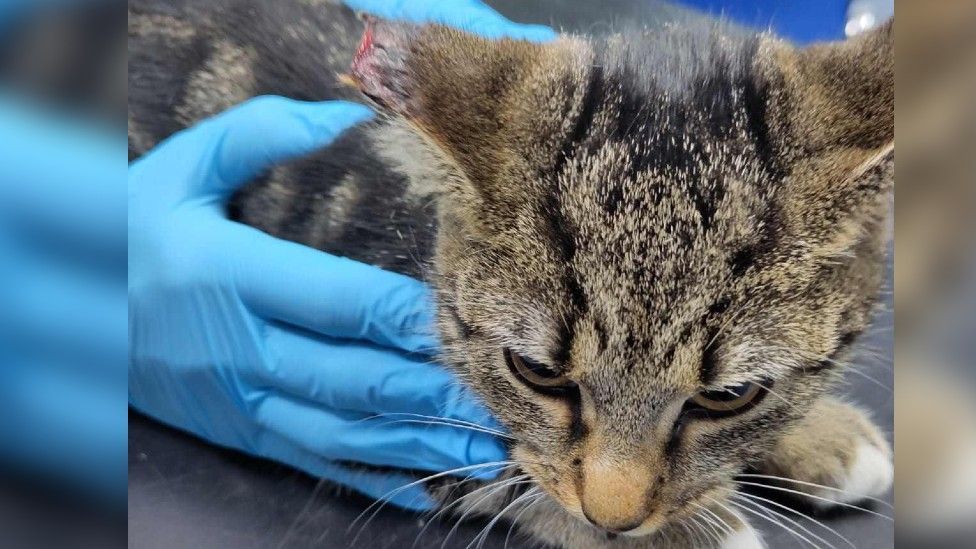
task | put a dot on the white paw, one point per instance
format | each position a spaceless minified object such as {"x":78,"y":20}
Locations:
{"x":746,"y":538}
{"x":870,"y":475}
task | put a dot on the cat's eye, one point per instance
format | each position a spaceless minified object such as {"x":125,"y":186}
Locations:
{"x":727,"y":401}
{"x":536,"y":375}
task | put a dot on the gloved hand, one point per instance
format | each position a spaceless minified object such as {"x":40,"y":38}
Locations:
{"x":273,"y":348}
{"x":277,"y":349}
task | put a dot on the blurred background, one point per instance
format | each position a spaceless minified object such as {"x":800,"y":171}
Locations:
{"x":73,"y":457}
{"x":63,"y":315}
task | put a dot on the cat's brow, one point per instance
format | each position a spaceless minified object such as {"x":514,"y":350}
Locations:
{"x":562,"y":238}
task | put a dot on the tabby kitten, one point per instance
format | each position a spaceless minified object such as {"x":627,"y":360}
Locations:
{"x":650,"y":250}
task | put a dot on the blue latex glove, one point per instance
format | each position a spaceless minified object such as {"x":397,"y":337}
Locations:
{"x":470,"y":15}
{"x":277,"y":349}
{"x":271,"y":347}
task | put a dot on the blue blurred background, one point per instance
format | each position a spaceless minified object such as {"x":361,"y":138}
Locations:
{"x":801,"y":21}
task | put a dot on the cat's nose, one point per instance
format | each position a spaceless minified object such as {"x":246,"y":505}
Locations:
{"x":614,"y":495}
{"x":613,"y":527}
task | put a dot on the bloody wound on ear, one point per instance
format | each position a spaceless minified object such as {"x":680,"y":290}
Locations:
{"x":379,"y":66}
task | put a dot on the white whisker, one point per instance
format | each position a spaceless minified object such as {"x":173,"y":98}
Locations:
{"x":857,"y":372}
{"x":716,"y":529}
{"x":445,"y":420}
{"x":382,"y":501}
{"x":536,"y":499}
{"x":846,"y":366}
{"x":820,"y":498}
{"x":461,"y":499}
{"x":712,"y":533}
{"x":781,"y":506}
{"x":692,"y":533}
{"x":298,"y":517}
{"x":483,"y":534}
{"x":721,"y":523}
{"x":815,"y":485}
{"x":772,"y":520}
{"x":725,"y":507}
{"x":448,"y":424}
{"x":474,"y":506}
{"x":775,"y":394}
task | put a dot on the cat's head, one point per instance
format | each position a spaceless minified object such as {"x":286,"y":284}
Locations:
{"x":651,"y":248}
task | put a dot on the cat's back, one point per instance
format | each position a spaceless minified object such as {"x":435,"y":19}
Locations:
{"x":191,"y":59}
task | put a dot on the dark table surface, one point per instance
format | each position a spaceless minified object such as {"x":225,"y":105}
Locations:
{"x":186,"y":493}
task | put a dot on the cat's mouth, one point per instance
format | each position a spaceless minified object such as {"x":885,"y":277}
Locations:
{"x":618,"y":512}
{"x":563,"y":484}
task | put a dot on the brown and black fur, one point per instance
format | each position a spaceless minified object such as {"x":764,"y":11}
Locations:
{"x":651,"y":214}
{"x":195,"y":58}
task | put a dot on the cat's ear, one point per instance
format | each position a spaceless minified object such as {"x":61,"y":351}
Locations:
{"x":832,"y":118}
{"x":468,"y":96}
{"x":836,"y":94}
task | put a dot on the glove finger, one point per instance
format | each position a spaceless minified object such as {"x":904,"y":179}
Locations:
{"x":397,"y":488}
{"x":349,"y":375}
{"x":220,"y":154}
{"x":334,"y":296}
{"x":470,"y":15}
{"x":497,"y":30}
{"x":347,"y":436}
{"x":268,"y":130}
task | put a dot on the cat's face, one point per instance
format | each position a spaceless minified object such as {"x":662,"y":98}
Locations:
{"x":651,"y":249}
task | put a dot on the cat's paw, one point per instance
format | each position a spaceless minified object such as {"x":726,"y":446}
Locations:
{"x":836,"y":455}
{"x":869,"y":474}
{"x":744,"y":538}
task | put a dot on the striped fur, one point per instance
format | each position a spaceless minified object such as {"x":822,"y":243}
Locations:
{"x":651,"y":213}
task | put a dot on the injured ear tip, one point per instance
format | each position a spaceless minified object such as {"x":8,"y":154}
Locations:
{"x":379,"y":68}
{"x":366,"y":17}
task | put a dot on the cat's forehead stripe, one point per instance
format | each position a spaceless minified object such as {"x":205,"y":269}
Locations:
{"x":591,"y":100}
